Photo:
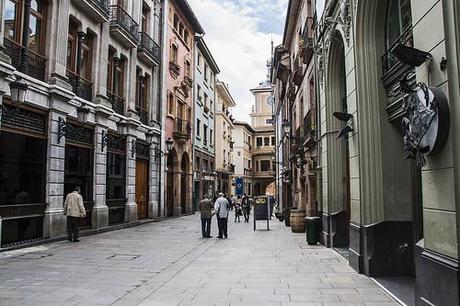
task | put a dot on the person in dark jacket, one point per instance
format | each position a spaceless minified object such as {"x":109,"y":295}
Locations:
{"x":206,"y":208}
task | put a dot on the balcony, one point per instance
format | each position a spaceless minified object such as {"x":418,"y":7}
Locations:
{"x":80,"y":86}
{"x":306,"y":44}
{"x":182,"y":130}
{"x":35,"y":64}
{"x":143,"y":115}
{"x":148,"y":50}
{"x":98,"y":10}
{"x":123,"y":27}
{"x":188,"y":81}
{"x":118,"y":103}
{"x":309,"y":128}
{"x":298,"y":72}
{"x":174,"y":69}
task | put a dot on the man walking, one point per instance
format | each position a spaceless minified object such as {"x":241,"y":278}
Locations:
{"x":206,"y":207}
{"x":221,"y":207}
{"x":74,"y":210}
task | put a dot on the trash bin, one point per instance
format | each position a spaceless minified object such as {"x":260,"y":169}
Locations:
{"x":312,"y":228}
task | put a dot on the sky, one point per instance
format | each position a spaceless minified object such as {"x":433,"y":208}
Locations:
{"x":239,"y":34}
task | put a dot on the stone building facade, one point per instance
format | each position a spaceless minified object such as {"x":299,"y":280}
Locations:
{"x":80,"y":58}
{"x":206,"y":70}
{"x":180,"y":46}
{"x":395,"y":216}
{"x":243,"y":135}
{"x":224,"y":126}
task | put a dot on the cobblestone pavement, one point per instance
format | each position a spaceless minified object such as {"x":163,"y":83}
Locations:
{"x":168,"y":263}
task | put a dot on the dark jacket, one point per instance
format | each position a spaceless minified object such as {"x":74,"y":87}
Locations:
{"x":206,"y":207}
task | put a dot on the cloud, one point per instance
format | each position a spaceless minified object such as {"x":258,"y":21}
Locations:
{"x":239,"y":44}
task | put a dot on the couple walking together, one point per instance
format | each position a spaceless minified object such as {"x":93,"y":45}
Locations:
{"x":220,"y":208}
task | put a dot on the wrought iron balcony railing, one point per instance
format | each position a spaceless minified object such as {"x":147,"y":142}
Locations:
{"x":309,"y":128}
{"x":183,"y":127}
{"x":120,"y":18}
{"x":99,"y":10}
{"x":143,"y":115}
{"x":80,"y":86}
{"x":118,"y":103}
{"x":35,"y":64}
{"x":148,"y":45}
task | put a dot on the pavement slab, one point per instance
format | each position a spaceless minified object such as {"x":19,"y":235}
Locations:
{"x":168,"y":263}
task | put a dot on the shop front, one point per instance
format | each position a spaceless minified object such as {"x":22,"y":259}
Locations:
{"x":116,"y":178}
{"x":23,"y":155}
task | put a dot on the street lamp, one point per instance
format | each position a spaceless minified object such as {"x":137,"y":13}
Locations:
{"x":82,"y":114}
{"x":286,"y":127}
{"x":121,"y":127}
{"x":18,"y":89}
{"x":169,"y":145}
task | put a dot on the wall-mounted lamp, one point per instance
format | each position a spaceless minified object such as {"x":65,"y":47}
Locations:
{"x":133,"y":147}
{"x":348,"y":119}
{"x":104,"y":140}
{"x":82,"y":117}
{"x":159,"y":152}
{"x":18,"y":90}
{"x":122,"y":127}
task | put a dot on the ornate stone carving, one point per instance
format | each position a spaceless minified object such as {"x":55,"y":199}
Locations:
{"x":345,"y":18}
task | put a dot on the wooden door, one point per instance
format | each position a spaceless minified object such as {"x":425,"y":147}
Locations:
{"x":142,"y":188}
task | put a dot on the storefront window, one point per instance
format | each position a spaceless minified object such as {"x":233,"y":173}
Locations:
{"x":116,"y":168}
{"x":79,"y":171}
{"x":22,"y":169}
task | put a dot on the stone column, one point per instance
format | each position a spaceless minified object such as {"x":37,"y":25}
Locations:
{"x":131,"y":206}
{"x":100,"y":212}
{"x":54,"y":223}
{"x":155,"y":167}
{"x":102,"y":57}
{"x":58,"y":30}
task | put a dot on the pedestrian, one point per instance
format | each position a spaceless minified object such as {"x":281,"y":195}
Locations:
{"x":246,"y":207}
{"x":206,"y":207}
{"x":238,"y":212}
{"x":221,"y":207}
{"x":74,"y":210}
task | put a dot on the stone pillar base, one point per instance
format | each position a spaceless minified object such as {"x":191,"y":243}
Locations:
{"x":54,"y":224}
{"x":100,"y":217}
{"x":131,"y":212}
{"x":153,"y":210}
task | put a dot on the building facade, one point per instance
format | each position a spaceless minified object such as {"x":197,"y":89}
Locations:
{"x":224,"y":126}
{"x":91,"y":117}
{"x":243,"y":136}
{"x":180,"y":44}
{"x":391,"y":215}
{"x":295,"y":109}
{"x":206,"y":71}
{"x":263,"y":140}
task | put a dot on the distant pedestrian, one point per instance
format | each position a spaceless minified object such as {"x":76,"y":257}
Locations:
{"x":246,"y":207}
{"x":221,"y":207}
{"x":206,"y":207}
{"x":74,"y":210}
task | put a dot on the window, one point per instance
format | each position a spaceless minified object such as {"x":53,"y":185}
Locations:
{"x":198,"y":127}
{"x":273,"y":141}
{"x":265,"y":165}
{"x":259,"y":141}
{"x":197,"y":163}
{"x":186,"y":37}
{"x":198,"y":92}
{"x":249,"y":164}
{"x":399,"y":19}
{"x":205,"y":166}
{"x":211,"y":167}
{"x":249,"y":140}
{"x":257,"y":166}
{"x":170,"y":103}
{"x":268,"y":121}
{"x":205,"y":72}
{"x":188,"y":69}
{"x":174,"y":53}
{"x":266,"y":141}
{"x":23,"y":169}
{"x":225,"y":156}
{"x":205,"y":99}
{"x":211,"y":106}
{"x":145,"y":19}
{"x":175,"y":22}
{"x":79,"y":170}
{"x":116,"y":168}
{"x":210,"y":136}
{"x":115,"y":74}
{"x":205,"y":133}
{"x":199,"y":61}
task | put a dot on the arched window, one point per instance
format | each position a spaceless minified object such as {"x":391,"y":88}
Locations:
{"x":399,"y":20}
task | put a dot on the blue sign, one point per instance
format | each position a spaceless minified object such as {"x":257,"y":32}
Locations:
{"x":239,"y":186}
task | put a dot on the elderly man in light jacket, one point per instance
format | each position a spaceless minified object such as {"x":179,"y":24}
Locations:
{"x":221,"y":207}
{"x":74,"y":210}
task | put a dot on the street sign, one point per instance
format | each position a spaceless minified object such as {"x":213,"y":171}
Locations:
{"x":262,"y":210}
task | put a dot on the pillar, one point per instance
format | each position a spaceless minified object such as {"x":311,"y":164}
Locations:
{"x":131,"y":206}
{"x":100,"y":212}
{"x":155,"y":181}
{"x":102,"y":56}
{"x":54,"y":223}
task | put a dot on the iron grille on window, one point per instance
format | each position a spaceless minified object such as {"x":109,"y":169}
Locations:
{"x":35,"y":64}
{"x":24,"y":119}
{"x":80,"y":86}
{"x":116,"y":143}
{"x":183,"y":126}
{"x":119,"y":17}
{"x":79,"y":134}
{"x":148,"y":45}
{"x":102,"y":5}
{"x":142,"y":149}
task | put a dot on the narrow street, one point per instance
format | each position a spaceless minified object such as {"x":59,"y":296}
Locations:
{"x":168,"y":263}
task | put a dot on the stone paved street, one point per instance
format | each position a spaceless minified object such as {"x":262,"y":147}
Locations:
{"x":168,"y":263}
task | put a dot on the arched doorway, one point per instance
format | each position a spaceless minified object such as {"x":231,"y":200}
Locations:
{"x":337,"y":207}
{"x":389,"y":215}
{"x":170,"y":186}
{"x":184,"y":188}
